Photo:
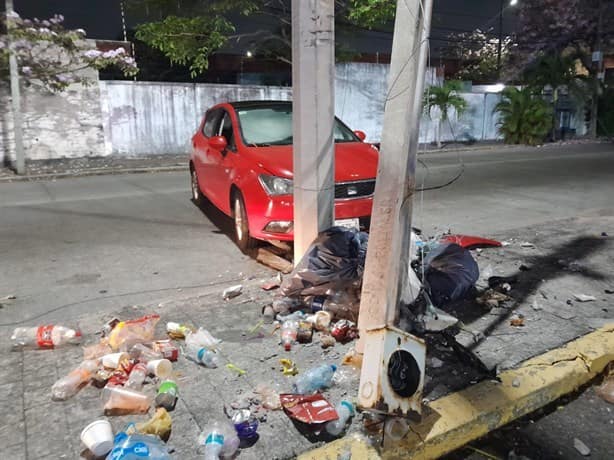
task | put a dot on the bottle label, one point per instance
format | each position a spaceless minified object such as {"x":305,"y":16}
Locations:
{"x":214,"y":438}
{"x":43,"y":337}
{"x":168,"y":387}
{"x":138,"y":449}
{"x":317,"y":303}
{"x":200,"y":354}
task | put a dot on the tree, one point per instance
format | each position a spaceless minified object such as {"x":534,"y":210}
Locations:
{"x":53,"y":57}
{"x":477,"y":52}
{"x":525,"y":118}
{"x":444,"y":98}
{"x":553,"y":26}
{"x":188,"y":31}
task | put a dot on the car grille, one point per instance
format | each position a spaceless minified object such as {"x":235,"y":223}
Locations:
{"x":358,"y":189}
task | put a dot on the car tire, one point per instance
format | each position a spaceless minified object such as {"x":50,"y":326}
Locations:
{"x":241,"y":226}
{"x":197,"y":195}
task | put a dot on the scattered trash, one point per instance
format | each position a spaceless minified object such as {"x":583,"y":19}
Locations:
{"x":343,"y":331}
{"x":167,"y":395}
{"x":178,"y":331}
{"x":270,"y":285}
{"x":495,"y":281}
{"x":202,"y":355}
{"x":304,"y":333}
{"x":527,"y":244}
{"x":108,"y":327}
{"x":9,"y":297}
{"x":130,"y":445}
{"x":236,"y":369}
{"x":308,"y":409}
{"x":582,"y":448}
{"x":137,"y":377}
{"x":321,"y":320}
{"x":133,"y":331}
{"x":517,"y":320}
{"x":584,"y":298}
{"x":289,"y":367}
{"x":202,"y":338}
{"x":160,"y":425}
{"x":492,"y":298}
{"x":436,"y":363}
{"x":69,"y":385}
{"x":246,"y":424}
{"x":44,"y":337}
{"x":345,"y":411}
{"x":315,"y":379}
{"x":470,"y":242}
{"x":269,"y":396}
{"x":450,"y":272}
{"x":327,"y":341}
{"x":167,"y":349}
{"x":118,"y":400}
{"x":289,"y":332}
{"x":396,"y":428}
{"x":161,"y":368}
{"x":98,"y":437}
{"x":113,"y":360}
{"x":96,"y":351}
{"x":232,"y":291}
{"x":219,"y":439}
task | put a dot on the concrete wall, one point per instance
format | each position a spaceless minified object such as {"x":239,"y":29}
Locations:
{"x":64,"y":125}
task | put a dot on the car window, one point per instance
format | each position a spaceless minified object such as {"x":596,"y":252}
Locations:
{"x":225,"y":130}
{"x":212,"y":122}
{"x":273,"y":126}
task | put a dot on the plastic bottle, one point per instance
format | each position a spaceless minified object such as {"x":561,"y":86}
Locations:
{"x":137,"y":376}
{"x":202,"y":355}
{"x":345,"y":410}
{"x":137,"y":447}
{"x":69,"y":385}
{"x":143,"y":353}
{"x":167,"y":395}
{"x":119,"y":400}
{"x":219,"y":440}
{"x":315,"y":379}
{"x":289,"y":330}
{"x":202,"y":338}
{"x":44,"y":337}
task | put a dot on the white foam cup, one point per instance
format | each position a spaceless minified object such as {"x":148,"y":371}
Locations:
{"x":98,"y":437}
{"x":113,"y":360}
{"x":161,"y":368}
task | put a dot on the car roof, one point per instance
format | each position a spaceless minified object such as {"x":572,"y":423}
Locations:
{"x":253,"y":104}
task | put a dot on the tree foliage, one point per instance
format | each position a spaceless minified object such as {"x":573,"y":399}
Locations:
{"x":524,"y":118}
{"x":443,"y":99}
{"x":53,"y":57}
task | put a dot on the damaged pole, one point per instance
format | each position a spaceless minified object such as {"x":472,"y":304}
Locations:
{"x":385,"y":281}
{"x":313,"y":107}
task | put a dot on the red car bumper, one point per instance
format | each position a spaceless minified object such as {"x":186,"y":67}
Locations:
{"x":281,"y":209}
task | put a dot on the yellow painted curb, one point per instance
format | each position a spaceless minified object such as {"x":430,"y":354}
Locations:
{"x":456,"y":419}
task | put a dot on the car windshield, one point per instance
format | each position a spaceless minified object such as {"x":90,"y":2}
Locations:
{"x":263,"y":126}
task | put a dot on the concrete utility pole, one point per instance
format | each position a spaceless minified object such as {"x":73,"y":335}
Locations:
{"x":20,"y":166}
{"x":313,"y":106}
{"x":385,"y":280}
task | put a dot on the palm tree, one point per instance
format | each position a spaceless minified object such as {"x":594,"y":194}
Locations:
{"x":444,"y":98}
{"x":524,"y":118}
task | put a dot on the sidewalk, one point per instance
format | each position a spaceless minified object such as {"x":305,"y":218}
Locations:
{"x":563,"y":259}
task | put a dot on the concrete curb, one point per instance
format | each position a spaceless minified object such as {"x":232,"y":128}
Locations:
{"x":456,"y":419}
{"x":92,"y":172}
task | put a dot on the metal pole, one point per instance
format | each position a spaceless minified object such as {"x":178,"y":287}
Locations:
{"x":387,"y":266}
{"x":313,"y":71}
{"x":20,"y":166}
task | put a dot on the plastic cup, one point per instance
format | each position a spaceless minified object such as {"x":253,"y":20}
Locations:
{"x":98,"y":437}
{"x":161,"y":368}
{"x":113,"y":360}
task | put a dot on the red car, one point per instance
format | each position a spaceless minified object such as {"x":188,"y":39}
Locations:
{"x":242,"y":163}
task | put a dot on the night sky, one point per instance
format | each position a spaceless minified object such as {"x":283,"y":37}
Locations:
{"x":102,"y":18}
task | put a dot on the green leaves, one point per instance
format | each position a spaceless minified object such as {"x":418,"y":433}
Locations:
{"x":370,"y":13}
{"x":524,"y":118}
{"x":444,"y":98}
{"x":187,"y":41}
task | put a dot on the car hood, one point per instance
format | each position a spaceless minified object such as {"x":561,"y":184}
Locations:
{"x":353,"y":160}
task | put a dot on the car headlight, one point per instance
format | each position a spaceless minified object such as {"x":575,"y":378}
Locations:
{"x":274,"y":185}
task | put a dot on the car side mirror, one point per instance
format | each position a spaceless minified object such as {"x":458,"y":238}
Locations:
{"x":360,"y":135}
{"x":218,"y":143}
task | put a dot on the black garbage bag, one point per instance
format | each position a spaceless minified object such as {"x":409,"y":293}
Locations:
{"x":450,"y":272}
{"x":335,"y":260}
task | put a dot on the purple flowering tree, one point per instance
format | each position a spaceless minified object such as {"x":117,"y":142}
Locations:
{"x":54,"y":57}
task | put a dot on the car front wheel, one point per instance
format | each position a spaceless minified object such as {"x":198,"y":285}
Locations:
{"x":242,"y":237}
{"x":197,"y":195}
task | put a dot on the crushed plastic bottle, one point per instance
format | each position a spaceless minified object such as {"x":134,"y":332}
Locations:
{"x":44,"y":337}
{"x":345,"y":411}
{"x":136,"y":446}
{"x":219,"y":439}
{"x":315,"y":379}
{"x":202,"y":355}
{"x":202,"y":338}
{"x":69,"y":385}
{"x":137,"y":377}
{"x":289,"y":331}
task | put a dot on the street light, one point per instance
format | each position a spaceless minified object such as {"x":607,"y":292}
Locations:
{"x":501,"y":8}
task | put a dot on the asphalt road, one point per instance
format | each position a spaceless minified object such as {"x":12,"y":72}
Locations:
{"x":109,"y":241}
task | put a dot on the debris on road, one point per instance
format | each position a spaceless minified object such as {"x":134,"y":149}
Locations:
{"x":470,"y":242}
{"x":310,"y":409}
{"x":606,"y":389}
{"x":584,"y":298}
{"x":232,"y":292}
{"x":517,"y":320}
{"x":582,"y":448}
{"x":527,"y":244}
{"x":49,"y":336}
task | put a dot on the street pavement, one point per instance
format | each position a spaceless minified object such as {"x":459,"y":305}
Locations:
{"x":85,"y":249}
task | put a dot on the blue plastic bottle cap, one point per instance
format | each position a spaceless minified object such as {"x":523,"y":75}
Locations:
{"x":349,"y":405}
{"x":215,"y":438}
{"x":333,"y":367}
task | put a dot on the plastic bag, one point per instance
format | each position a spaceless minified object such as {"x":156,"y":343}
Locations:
{"x":335,"y":260}
{"x":449,"y":273}
{"x":133,"y":331}
{"x":159,"y":425}
{"x":129,"y":445}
